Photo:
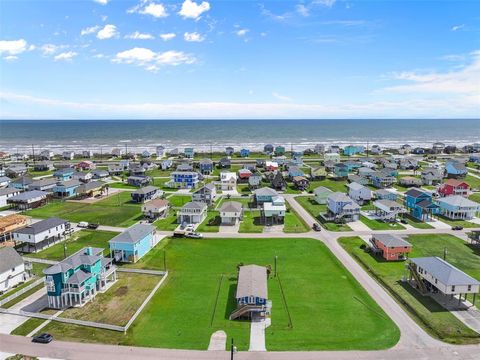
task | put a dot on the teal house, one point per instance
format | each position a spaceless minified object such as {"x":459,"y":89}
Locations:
{"x":66,"y":189}
{"x":64,"y":174}
{"x":351,"y":150}
{"x":76,"y":280}
{"x":189,"y":153}
{"x":133,"y":243}
{"x":340,"y":170}
{"x":420,"y":204}
{"x":279,"y":150}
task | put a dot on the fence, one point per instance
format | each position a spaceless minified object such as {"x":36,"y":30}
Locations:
{"x":21,"y":291}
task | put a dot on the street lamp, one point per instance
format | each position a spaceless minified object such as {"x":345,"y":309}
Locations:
{"x":233,"y":350}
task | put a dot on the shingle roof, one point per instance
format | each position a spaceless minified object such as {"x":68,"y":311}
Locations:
{"x":134,"y":234}
{"x":391,"y":240}
{"x":231,"y":206}
{"x":74,"y":261}
{"x":145,"y":190}
{"x":252,"y":281}
{"x":339,"y":197}
{"x":194,"y":205}
{"x":9,"y":258}
{"x":69,"y":183}
{"x":444,"y":272}
{"x":414,"y":192}
{"x":27,"y":195}
{"x":322,"y":190}
{"x":265,"y":191}
{"x":41,"y":226}
{"x":8,"y":191}
{"x":78,"y":277}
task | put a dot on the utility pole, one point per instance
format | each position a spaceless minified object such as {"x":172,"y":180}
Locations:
{"x":445,"y":251}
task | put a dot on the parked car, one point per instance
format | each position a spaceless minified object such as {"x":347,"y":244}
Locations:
{"x":93,"y":226}
{"x":43,"y":338}
{"x":194,"y":235}
{"x":316,"y":227}
{"x":403,"y":221}
{"x":457,"y":227}
{"x":83,"y":224}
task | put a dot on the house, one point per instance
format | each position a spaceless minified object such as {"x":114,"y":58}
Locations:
{"x":184,"y":167}
{"x":45,"y":184}
{"x":383,"y":194}
{"x":295,"y":171}
{"x":229,"y":151}
{"x":408,"y":163}
{"x":85,"y":165}
{"x":124,"y":163}
{"x":174,"y":152}
{"x":358,"y":179}
{"x":160,"y":151}
{"x":390,"y":247}
{"x":183,"y":180}
{"x":418,"y":151}
{"x":454,"y":187}
{"x":10,"y":223}
{"x":278,"y":182}
{"x":81,"y":176}
{"x":420,"y":204}
{"x":46,"y":154}
{"x":21,"y":183}
{"x":228,"y":181}
{"x":301,"y":182}
{"x":361,"y":194}
{"x":66,"y":189}
{"x":87,"y":154}
{"x":280,"y":160}
{"x":252,"y":293}
{"x":43,"y":166}
{"x":366,"y":171}
{"x":297,"y":158}
{"x":255,"y":180}
{"x":351,"y":150}
{"x":136,"y":169}
{"x":455,"y":169}
{"x":457,"y":207}
{"x":90,"y":189}
{"x":139,"y":180}
{"x":192,"y":212}
{"x":410,"y":181}
{"x":319,"y":149}
{"x":64,"y":174}
{"x":28,"y":199}
{"x":206,"y":194}
{"x":156,"y":209}
{"x":68,"y":155}
{"x":189,"y":153}
{"x":279,"y":150}
{"x":340,"y":171}
{"x":342,"y":208}
{"x":368,"y":164}
{"x":268,"y":149}
{"x":388,"y":210}
{"x":321,"y":194}
{"x":134,"y":243}
{"x":318,"y":173}
{"x":271,"y":165}
{"x":18,"y":157}
{"x":437,"y":148}
{"x":244,"y":174}
{"x":75,"y":280}
{"x":231,"y":213}
{"x":116,"y":152}
{"x":442,"y":276}
{"x":14,"y":171}
{"x":7,"y":193}
{"x":4,"y":181}
{"x":224,"y":163}
{"x":146,"y":154}
{"x":12,"y":269}
{"x":145,"y":194}
{"x":206,"y":166}
{"x":100,"y":174}
{"x":335,"y":157}
{"x":352,"y":165}
{"x":263,"y":195}
{"x":42,"y":234}
{"x":376,"y":150}
{"x":431,"y":176}
{"x":381,"y":180}
{"x":334,"y":149}
{"x":273,"y":212}
{"x":244,"y":153}
{"x":166,"y":164}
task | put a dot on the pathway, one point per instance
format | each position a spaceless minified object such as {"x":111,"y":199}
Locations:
{"x":218,"y":341}
{"x":257,"y":334}
{"x":465,"y":311}
{"x":358,"y":226}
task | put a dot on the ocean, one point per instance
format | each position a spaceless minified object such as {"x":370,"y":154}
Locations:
{"x":139,"y":135}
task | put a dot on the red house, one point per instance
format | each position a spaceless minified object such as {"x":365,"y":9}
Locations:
{"x":271,"y":166}
{"x":454,"y":187}
{"x":390,"y":247}
{"x":244,"y":174}
{"x":85,"y":165}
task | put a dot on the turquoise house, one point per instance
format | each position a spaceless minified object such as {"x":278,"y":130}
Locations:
{"x":66,"y":189}
{"x":420,"y":204}
{"x":133,"y":243}
{"x":189,"y":153}
{"x":279,"y":150}
{"x":351,"y":150}
{"x":64,"y":174}
{"x":76,"y":280}
{"x":352,"y":165}
{"x":455,"y":169}
{"x":340,"y":170}
{"x":264,"y":195}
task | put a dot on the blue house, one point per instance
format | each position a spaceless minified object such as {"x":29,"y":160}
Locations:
{"x":295,"y":171}
{"x":132,"y":244}
{"x":279,"y":150}
{"x":455,"y":169}
{"x":21,"y":183}
{"x":64,"y":174}
{"x":352,"y":165}
{"x":66,"y":189}
{"x":382,"y":194}
{"x":76,"y":279}
{"x":381,"y":180}
{"x":145,"y":193}
{"x":351,"y":150}
{"x":189,"y":153}
{"x":340,"y":170}
{"x":264,"y":195}
{"x":206,"y":166}
{"x":244,"y":153}
{"x":183,"y":180}
{"x":420,"y":204}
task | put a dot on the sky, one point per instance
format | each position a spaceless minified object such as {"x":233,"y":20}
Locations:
{"x":152,"y":59}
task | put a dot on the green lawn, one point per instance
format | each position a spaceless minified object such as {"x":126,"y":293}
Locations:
{"x":158,"y":173}
{"x":169,"y":223}
{"x":211,"y":222}
{"x":293,"y":223}
{"x":179,"y":200}
{"x":427,"y":312}
{"x":245,"y":201}
{"x":31,"y":324}
{"x":243,"y":189}
{"x":475,"y":197}
{"x":417,"y":223}
{"x":40,"y":173}
{"x":474,"y":182}
{"x":76,"y":242}
{"x":380,"y":225}
{"x":309,"y":204}
{"x":23,"y":296}
{"x":198,"y":297}
{"x":113,"y":211}
{"x":251,"y":222}
{"x":464,"y":223}
{"x":122,"y":185}
{"x":334,"y":185}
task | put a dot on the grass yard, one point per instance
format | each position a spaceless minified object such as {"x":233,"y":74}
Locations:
{"x":40,"y":173}
{"x":158,"y":173}
{"x":113,"y":211}
{"x":194,"y":302}
{"x":122,"y":185}
{"x":293,"y":223}
{"x":380,"y":225}
{"x":31,"y":324}
{"x":475,"y":197}
{"x":211,"y":222}
{"x":169,"y":223}
{"x":464,"y":223}
{"x":417,"y":223}
{"x":334,"y":185}
{"x":79,"y":240}
{"x":245,"y":201}
{"x":179,"y":200}
{"x":474,"y":182}
{"x":23,"y":296}
{"x":251,"y":222}
{"x":427,"y":312}
{"x":314,"y":209}
{"x":243,"y":189}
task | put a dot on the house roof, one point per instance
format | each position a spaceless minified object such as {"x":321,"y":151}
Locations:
{"x":145,"y":190}
{"x":339,"y":197}
{"x":414,"y":192}
{"x":384,"y":192}
{"x":133,"y":234}
{"x":69,"y":183}
{"x":455,"y":182}
{"x":231,"y":206}
{"x":206,"y":162}
{"x":252,"y":281}
{"x":44,"y":182}
{"x":194,"y":205}
{"x":90,"y":186}
{"x":23,"y":180}
{"x":458,"y":200}
{"x":426,"y":204}
{"x":8,"y":191}
{"x":157,"y":203}
{"x":9,"y":258}
{"x":28,"y":195}
{"x":81,"y":257}
{"x":356,"y":186}
{"x":322,"y":190}
{"x":391,"y":240}
{"x":207,"y":188}
{"x":78,"y":277}
{"x":265,"y":191}
{"x":444,"y":272}
{"x":41,"y":226}
{"x":387,"y":203}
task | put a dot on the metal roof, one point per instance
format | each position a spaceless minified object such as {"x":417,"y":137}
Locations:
{"x":134,"y":234}
{"x":391,"y":240}
{"x":444,"y":272}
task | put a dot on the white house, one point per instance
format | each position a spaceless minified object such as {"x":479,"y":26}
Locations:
{"x":335,"y":157}
{"x":457,"y":207}
{"x":12,"y":269}
{"x":231,"y":212}
{"x":192,"y":213}
{"x":228,"y":181}
{"x":7,"y":193}
{"x":41,"y":234}
{"x":68,"y":155}
{"x":361,"y":194}
{"x":4,"y":181}
{"x":157,"y":208}
{"x":160,"y":151}
{"x":274,"y":212}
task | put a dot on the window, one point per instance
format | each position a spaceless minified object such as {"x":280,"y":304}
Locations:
{"x":251,"y":299}
{"x":469,"y":288}
{"x":453,"y":287}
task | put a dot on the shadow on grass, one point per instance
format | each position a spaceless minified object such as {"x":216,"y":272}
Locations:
{"x":426,"y":301}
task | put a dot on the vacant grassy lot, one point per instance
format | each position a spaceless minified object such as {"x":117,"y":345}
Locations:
{"x":179,"y":200}
{"x":183,"y":313}
{"x":211,"y":222}
{"x":380,"y":225}
{"x":251,"y":222}
{"x":116,"y":210}
{"x":309,"y":204}
{"x":76,"y":242}
{"x":427,"y":312}
{"x":158,"y":173}
{"x":122,"y":185}
{"x":334,"y":185}
{"x":293,"y":223}
{"x":475,"y":197}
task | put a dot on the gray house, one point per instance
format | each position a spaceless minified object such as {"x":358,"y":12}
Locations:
{"x":192,"y":213}
{"x":206,"y":194}
{"x":231,"y":212}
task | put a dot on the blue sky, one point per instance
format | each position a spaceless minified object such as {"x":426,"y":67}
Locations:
{"x":239,"y":59}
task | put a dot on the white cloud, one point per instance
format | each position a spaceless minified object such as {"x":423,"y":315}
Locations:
{"x":48,"y":49}
{"x":13,"y":47}
{"x":281,"y":97}
{"x":102,"y":2}
{"x":326,"y":3}
{"x":167,"y":36}
{"x":146,"y":7}
{"x":242,"y":32}
{"x":139,"y":36}
{"x":302,"y":10}
{"x":458,"y":27}
{"x":193,"y":37}
{"x":10,"y":58}
{"x":65,"y":56}
{"x":109,"y":31}
{"x":89,"y":30}
{"x":151,"y":60}
{"x":192,"y":10}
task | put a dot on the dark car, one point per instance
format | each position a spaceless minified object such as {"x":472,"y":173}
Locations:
{"x":458,"y":227}
{"x":316,"y":227}
{"x":43,"y":338}
{"x":92,"y":226}
{"x":403,"y":221}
